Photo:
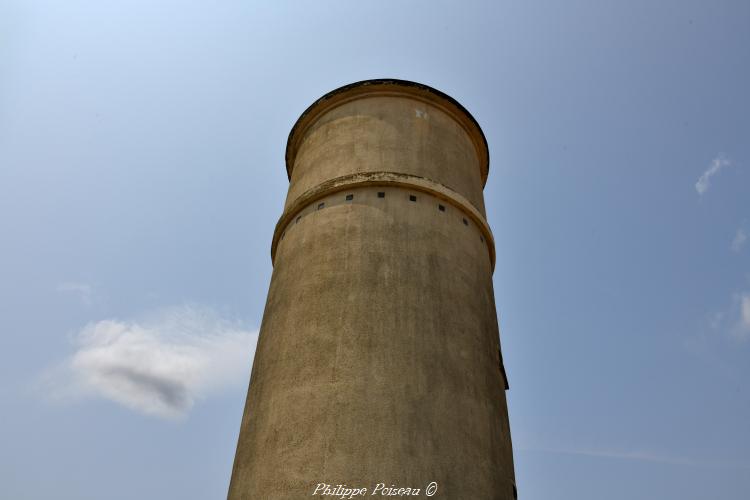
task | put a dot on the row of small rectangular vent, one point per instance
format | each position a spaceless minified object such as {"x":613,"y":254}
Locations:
{"x":381,"y":194}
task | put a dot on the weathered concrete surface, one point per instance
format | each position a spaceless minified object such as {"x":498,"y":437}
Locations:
{"x":378,"y":354}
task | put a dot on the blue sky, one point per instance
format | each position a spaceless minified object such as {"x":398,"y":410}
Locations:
{"x":142,"y":172}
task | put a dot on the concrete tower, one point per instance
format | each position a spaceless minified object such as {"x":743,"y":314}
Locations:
{"x":379,"y":359}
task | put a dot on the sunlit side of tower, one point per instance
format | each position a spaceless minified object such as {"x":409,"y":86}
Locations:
{"x":379,"y":358}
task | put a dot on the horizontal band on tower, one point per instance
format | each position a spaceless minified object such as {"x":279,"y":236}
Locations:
{"x":393,"y":179}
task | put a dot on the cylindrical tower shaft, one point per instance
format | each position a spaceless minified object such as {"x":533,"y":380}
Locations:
{"x":378,"y":359}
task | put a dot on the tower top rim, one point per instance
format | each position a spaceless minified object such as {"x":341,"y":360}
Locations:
{"x":388,"y":86}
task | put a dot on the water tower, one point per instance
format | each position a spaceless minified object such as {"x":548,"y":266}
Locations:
{"x":378,"y":359}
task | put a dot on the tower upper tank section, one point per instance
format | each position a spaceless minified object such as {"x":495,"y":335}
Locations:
{"x":388,"y":125}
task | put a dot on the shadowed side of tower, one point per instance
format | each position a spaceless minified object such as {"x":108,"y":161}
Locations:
{"x":378,"y":357}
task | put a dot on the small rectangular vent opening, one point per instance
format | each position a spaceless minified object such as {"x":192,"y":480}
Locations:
{"x":381,"y":194}
{"x":441,"y":208}
{"x":412,"y":197}
{"x":349,"y":197}
{"x":466,"y":223}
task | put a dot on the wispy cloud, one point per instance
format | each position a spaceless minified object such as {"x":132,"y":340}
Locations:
{"x":740,"y":237}
{"x":83,"y":291}
{"x":704,"y":182}
{"x":644,"y":456}
{"x":741,"y":328}
{"x":159,"y":366}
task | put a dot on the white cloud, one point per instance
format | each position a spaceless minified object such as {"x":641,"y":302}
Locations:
{"x":160,"y":366}
{"x":84,"y":292}
{"x":739,"y":240}
{"x":704,"y":182}
{"x":741,"y":329}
